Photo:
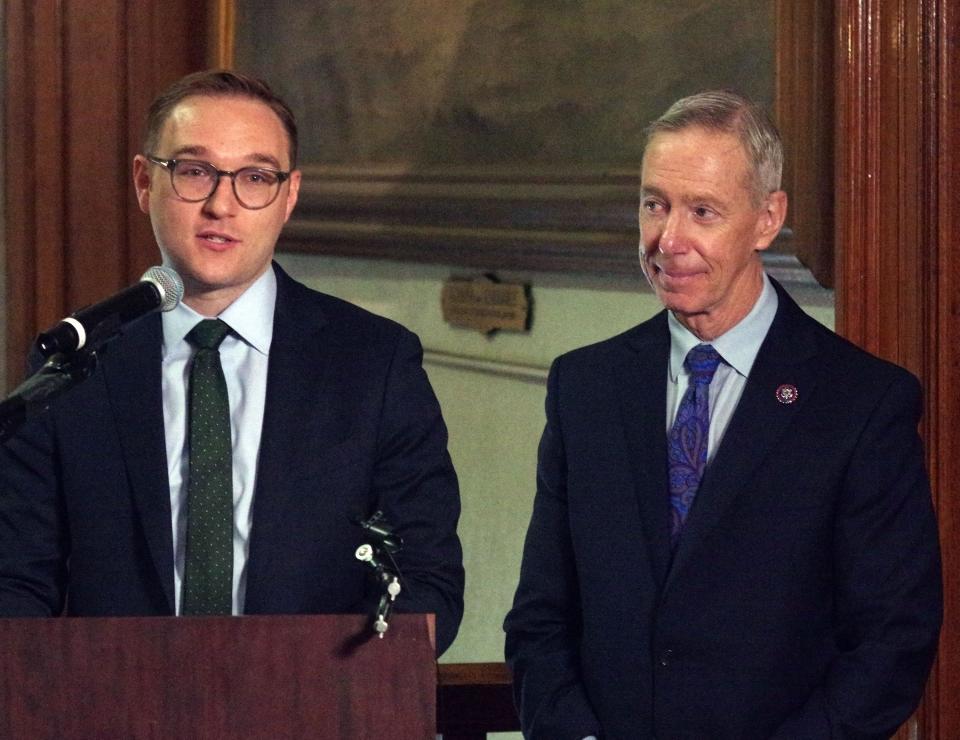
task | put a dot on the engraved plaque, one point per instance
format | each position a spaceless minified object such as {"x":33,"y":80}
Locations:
{"x":486,"y":305}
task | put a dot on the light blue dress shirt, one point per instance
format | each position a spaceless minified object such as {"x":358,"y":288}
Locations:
{"x":738,"y":347}
{"x":244,"y":356}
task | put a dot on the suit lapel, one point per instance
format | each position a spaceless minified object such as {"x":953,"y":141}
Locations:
{"x":292,"y":406}
{"x":642,"y":374}
{"x":131,"y":370}
{"x":758,"y":425}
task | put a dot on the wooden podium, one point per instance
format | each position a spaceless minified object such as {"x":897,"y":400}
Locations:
{"x":217,"y":677}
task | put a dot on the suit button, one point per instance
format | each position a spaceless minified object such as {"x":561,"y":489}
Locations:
{"x":665,"y":657}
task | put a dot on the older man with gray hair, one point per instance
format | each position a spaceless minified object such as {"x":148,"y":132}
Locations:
{"x":732,"y":535}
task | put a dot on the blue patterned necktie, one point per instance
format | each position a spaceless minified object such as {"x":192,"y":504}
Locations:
{"x":208,"y":562}
{"x":687,"y":441}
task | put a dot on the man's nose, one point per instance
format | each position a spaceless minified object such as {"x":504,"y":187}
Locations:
{"x":671,"y":237}
{"x":222,"y":200}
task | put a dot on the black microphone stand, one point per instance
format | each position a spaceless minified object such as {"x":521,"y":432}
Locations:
{"x":378,"y":554}
{"x":59,"y":373}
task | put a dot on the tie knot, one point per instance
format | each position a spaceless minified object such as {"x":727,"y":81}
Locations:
{"x":208,"y":334}
{"x":702,"y":363}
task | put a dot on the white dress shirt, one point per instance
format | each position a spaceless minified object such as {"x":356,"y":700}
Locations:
{"x":244,"y":355}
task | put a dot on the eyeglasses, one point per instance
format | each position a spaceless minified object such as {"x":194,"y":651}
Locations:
{"x":193,"y":181}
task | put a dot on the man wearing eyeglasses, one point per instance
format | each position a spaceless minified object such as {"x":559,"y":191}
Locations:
{"x":215,"y":461}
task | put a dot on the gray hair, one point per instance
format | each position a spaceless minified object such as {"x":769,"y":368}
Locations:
{"x":729,"y":112}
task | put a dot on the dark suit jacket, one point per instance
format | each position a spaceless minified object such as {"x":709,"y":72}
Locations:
{"x":351,"y":425}
{"x":804,"y":598}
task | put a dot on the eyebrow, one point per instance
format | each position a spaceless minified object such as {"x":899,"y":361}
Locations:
{"x":258,"y":158}
{"x":685,"y":198}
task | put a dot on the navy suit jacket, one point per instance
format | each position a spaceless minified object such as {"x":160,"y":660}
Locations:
{"x":351,"y":425}
{"x":804,"y":597}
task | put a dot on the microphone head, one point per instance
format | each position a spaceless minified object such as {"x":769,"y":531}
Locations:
{"x":169,"y":284}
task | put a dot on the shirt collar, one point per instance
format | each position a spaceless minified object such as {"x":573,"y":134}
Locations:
{"x":739,"y":346}
{"x":250,"y":317}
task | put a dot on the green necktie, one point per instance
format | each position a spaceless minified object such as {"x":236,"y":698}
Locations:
{"x":208,"y":566}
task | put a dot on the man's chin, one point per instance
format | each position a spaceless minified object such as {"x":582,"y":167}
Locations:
{"x":683,"y":307}
{"x":204,"y":284}
{"x":679,"y":302}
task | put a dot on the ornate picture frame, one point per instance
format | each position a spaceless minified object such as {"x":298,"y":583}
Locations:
{"x":500,"y":134}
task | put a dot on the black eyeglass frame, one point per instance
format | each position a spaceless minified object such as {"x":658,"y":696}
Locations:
{"x":170,"y":166}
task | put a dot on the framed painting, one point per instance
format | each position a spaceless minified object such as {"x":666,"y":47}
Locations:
{"x":501,"y":134}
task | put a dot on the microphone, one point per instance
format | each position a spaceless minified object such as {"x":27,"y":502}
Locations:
{"x":159,"y":288}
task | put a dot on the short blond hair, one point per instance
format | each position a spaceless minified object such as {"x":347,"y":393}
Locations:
{"x":214,"y":83}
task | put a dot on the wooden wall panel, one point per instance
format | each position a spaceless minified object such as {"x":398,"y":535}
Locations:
{"x":898,"y":293}
{"x":95,"y":193}
{"x":804,"y":113}
{"x":145,"y":74}
{"x":79,"y":78}
{"x":944,"y":356}
{"x":33,"y":187}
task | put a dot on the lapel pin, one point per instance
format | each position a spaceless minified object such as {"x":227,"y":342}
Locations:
{"x":787,"y":393}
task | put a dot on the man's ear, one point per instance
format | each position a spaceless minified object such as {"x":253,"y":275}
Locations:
{"x":773,"y":213}
{"x":141,"y":182}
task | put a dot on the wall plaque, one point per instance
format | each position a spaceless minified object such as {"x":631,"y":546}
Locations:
{"x":484,"y":304}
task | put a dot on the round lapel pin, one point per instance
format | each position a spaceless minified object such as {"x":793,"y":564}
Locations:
{"x":787,"y":393}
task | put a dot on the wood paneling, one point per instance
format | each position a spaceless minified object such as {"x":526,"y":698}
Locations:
{"x":943,"y":347}
{"x":95,"y":192}
{"x":898,"y":293}
{"x":804,"y":112}
{"x":943,"y":433}
{"x":474,"y":699}
{"x":79,"y":78}
{"x":33,"y":188}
